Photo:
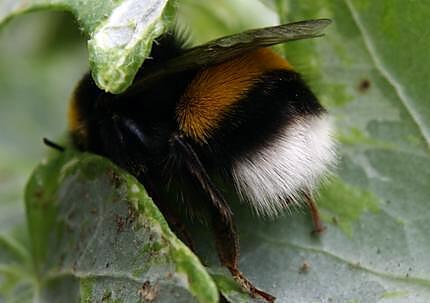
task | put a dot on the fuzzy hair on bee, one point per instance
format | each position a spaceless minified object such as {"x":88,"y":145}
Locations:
{"x":231,"y":108}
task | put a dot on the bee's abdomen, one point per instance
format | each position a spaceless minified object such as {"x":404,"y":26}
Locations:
{"x":266,"y":126}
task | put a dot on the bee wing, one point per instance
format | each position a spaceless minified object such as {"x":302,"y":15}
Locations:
{"x":225,"y":48}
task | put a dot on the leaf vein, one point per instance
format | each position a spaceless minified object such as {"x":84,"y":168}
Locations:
{"x":409,"y":279}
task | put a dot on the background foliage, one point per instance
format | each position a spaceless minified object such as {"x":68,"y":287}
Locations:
{"x":370,"y":70}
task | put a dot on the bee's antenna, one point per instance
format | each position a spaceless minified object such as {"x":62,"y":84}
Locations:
{"x":53,"y":145}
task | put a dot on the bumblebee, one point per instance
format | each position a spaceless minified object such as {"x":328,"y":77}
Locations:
{"x":231,"y":110}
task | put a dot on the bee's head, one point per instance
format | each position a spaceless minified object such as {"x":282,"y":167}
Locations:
{"x":120,"y":129}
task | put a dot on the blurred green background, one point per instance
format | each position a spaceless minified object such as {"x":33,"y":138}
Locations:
{"x":371,"y":71}
{"x":42,"y":56}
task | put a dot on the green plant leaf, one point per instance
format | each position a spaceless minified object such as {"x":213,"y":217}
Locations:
{"x":97,"y":237}
{"x":120,"y":33}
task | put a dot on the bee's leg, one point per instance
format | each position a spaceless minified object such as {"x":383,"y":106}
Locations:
{"x":319,"y":227}
{"x":227,"y":244}
{"x":224,"y":228}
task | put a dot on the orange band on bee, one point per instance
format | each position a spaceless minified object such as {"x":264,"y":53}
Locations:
{"x":73,"y":115}
{"x":214,"y":91}
{"x":75,"y":124}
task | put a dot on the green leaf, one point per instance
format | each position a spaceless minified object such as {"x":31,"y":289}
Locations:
{"x":97,"y":236}
{"x":120,"y":32}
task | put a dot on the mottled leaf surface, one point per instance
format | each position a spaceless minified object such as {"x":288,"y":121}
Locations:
{"x":97,"y":237}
